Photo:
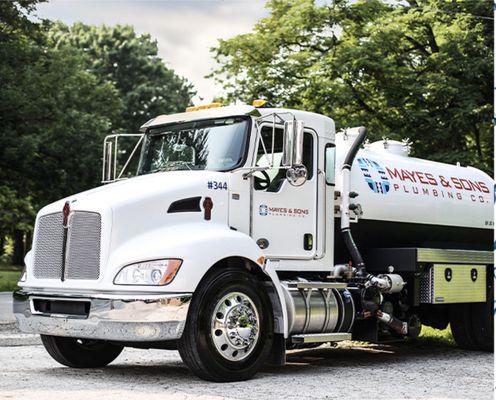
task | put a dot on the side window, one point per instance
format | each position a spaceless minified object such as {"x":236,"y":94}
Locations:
{"x":271,"y":179}
{"x":330,"y":164}
{"x":308,"y":153}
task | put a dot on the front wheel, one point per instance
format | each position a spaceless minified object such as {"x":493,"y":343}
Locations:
{"x":229,"y":330}
{"x":80,"y":353}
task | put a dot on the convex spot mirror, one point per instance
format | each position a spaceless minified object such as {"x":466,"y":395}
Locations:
{"x":297,"y":175}
{"x":293,"y":152}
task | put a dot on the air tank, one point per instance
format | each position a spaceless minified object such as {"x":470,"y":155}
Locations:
{"x":411,"y":202}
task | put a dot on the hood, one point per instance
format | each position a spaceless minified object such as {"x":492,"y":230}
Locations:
{"x":165,"y":186}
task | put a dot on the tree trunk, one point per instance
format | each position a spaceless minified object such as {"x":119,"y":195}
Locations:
{"x":18,"y":256}
{"x":2,"y":244}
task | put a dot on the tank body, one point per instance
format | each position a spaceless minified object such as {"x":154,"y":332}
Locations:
{"x":410,"y":202}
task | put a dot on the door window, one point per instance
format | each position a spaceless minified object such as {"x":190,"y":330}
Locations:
{"x":271,"y":179}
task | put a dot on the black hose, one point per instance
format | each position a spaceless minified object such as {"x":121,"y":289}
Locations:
{"x":348,"y":161}
{"x":346,"y":232}
{"x":353,"y":250}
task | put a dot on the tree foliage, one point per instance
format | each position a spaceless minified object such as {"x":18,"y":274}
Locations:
{"x":418,"y":69}
{"x":117,"y":54}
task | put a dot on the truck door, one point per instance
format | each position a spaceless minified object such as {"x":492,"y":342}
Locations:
{"x":284,"y":216}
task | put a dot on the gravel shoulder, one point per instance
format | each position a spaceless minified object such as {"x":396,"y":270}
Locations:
{"x":406,"y":371}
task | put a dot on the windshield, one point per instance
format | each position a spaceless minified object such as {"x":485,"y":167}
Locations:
{"x":217,"y":145}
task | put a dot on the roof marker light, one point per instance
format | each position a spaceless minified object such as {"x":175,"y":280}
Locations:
{"x":203,"y":107}
{"x":259,"y":103}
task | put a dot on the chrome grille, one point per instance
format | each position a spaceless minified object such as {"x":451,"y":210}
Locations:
{"x":82,"y":248}
{"x":48,"y":248}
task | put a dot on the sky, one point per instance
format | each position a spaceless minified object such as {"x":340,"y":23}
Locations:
{"x":185,"y":30}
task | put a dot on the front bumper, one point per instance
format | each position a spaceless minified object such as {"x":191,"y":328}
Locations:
{"x":127,"y":318}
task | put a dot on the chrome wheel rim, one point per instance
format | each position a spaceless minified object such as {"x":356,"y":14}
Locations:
{"x":235,"y":326}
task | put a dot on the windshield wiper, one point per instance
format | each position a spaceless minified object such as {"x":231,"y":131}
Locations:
{"x":183,"y":164}
{"x":172,"y":166}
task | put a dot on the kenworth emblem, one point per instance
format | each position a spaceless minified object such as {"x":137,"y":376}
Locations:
{"x":375,"y":175}
{"x":66,"y":213}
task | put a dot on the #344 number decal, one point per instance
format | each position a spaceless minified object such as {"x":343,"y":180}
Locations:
{"x":217,"y":185}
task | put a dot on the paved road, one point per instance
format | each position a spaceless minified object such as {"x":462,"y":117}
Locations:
{"x":6,"y":307}
{"x":402,"y":372}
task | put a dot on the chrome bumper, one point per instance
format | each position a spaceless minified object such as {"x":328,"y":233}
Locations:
{"x":129,"y":318}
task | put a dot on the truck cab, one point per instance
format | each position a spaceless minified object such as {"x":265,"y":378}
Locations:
{"x":231,"y":242}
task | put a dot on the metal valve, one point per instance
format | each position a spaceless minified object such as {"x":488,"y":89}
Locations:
{"x":356,"y":209}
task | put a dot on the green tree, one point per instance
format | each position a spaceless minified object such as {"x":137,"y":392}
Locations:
{"x":117,"y":54}
{"x":420,"y":69}
{"x":14,"y":18}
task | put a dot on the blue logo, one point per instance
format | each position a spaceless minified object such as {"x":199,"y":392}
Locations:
{"x":263,"y":210}
{"x":375,"y":176}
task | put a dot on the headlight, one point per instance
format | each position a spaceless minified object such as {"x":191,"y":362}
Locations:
{"x":155,"y":273}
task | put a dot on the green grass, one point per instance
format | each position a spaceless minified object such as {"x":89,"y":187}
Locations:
{"x":8,"y":278}
{"x":433,"y":336}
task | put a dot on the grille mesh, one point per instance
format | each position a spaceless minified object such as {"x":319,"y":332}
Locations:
{"x":83,"y":246}
{"x":83,"y":249}
{"x":48,"y":249}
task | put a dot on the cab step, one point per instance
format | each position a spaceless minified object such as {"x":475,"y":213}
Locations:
{"x":320,"y":337}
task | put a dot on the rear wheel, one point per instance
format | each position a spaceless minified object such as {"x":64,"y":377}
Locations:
{"x":80,"y":353}
{"x":229,"y":330}
{"x":472,"y":324}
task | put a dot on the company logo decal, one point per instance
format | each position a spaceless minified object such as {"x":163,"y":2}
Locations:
{"x":389,"y":178}
{"x":264,"y":210}
{"x":375,"y":175}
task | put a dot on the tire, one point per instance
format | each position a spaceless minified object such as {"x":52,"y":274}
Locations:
{"x":80,"y":353}
{"x":472,"y":324}
{"x":229,"y":328}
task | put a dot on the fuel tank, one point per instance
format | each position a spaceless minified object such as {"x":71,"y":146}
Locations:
{"x":411,"y":202}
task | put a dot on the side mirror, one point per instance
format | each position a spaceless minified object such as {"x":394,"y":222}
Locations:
{"x":293,"y":143}
{"x":293,"y":152}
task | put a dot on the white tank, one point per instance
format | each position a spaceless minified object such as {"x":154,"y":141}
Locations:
{"x":395,"y":187}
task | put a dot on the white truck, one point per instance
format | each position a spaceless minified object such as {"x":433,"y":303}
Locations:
{"x":249,"y":230}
